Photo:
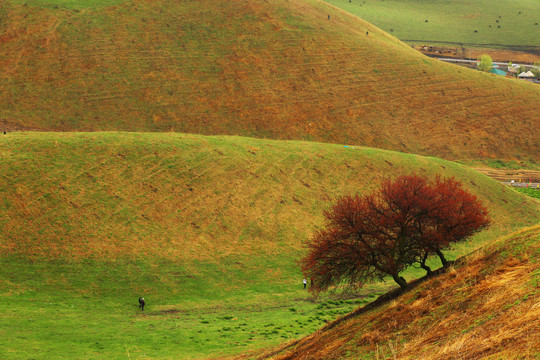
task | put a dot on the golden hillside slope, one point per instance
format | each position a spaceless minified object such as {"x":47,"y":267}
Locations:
{"x":273,"y":69}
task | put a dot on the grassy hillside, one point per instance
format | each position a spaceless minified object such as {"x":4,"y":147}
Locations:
{"x":485,"y":307}
{"x":266,"y":69}
{"x":504,"y":22}
{"x":207,"y":229}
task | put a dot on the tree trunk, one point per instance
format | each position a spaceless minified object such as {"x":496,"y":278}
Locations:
{"x":427,"y":268}
{"x":443,"y":259}
{"x":423,"y":264}
{"x":400,"y":280}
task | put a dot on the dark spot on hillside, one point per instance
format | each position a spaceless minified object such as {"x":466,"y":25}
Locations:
{"x":305,"y":184}
{"x":194,"y":224}
{"x":219,"y":151}
{"x":151,"y":187}
{"x":252,"y":152}
{"x":297,"y":200}
{"x":426,"y":21}
{"x":473,"y":183}
{"x":388,"y":162}
{"x":317,"y":171}
{"x":190,"y":189}
{"x":347,"y":165}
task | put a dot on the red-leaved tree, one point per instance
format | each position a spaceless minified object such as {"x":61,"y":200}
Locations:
{"x":383,"y":233}
{"x":454,"y":215}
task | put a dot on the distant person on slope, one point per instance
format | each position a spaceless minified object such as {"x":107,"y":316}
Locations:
{"x":305,"y":283}
{"x":141,"y":303}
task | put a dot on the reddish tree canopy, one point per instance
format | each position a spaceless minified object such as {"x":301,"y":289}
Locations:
{"x":383,"y":233}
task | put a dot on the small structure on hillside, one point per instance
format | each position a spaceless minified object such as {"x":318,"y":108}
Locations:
{"x":526,"y":75}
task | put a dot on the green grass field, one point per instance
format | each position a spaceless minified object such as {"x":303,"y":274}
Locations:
{"x":208,"y":229}
{"x":453,"y":20}
{"x":44,"y":318}
{"x":535,"y":193}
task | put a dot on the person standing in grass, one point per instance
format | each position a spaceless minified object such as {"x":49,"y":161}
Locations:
{"x":141,"y":303}
{"x":305,"y":283}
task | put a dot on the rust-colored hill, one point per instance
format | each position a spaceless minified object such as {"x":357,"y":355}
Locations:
{"x":272,"y":69}
{"x":485,"y":307}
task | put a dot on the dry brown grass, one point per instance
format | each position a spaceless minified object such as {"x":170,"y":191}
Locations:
{"x":487,"y":306}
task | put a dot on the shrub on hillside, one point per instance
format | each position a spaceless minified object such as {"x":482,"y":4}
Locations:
{"x":383,"y":233}
{"x":486,"y":63}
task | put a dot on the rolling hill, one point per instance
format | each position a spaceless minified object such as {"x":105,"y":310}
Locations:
{"x":208,"y":228}
{"x":80,"y":195}
{"x":268,"y":69}
{"x":485,"y":307}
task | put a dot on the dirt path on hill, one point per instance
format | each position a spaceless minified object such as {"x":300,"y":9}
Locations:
{"x":9,"y":127}
{"x":458,"y":52}
{"x":509,"y":174}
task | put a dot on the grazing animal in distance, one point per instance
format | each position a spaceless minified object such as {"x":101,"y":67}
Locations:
{"x":141,"y":303}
